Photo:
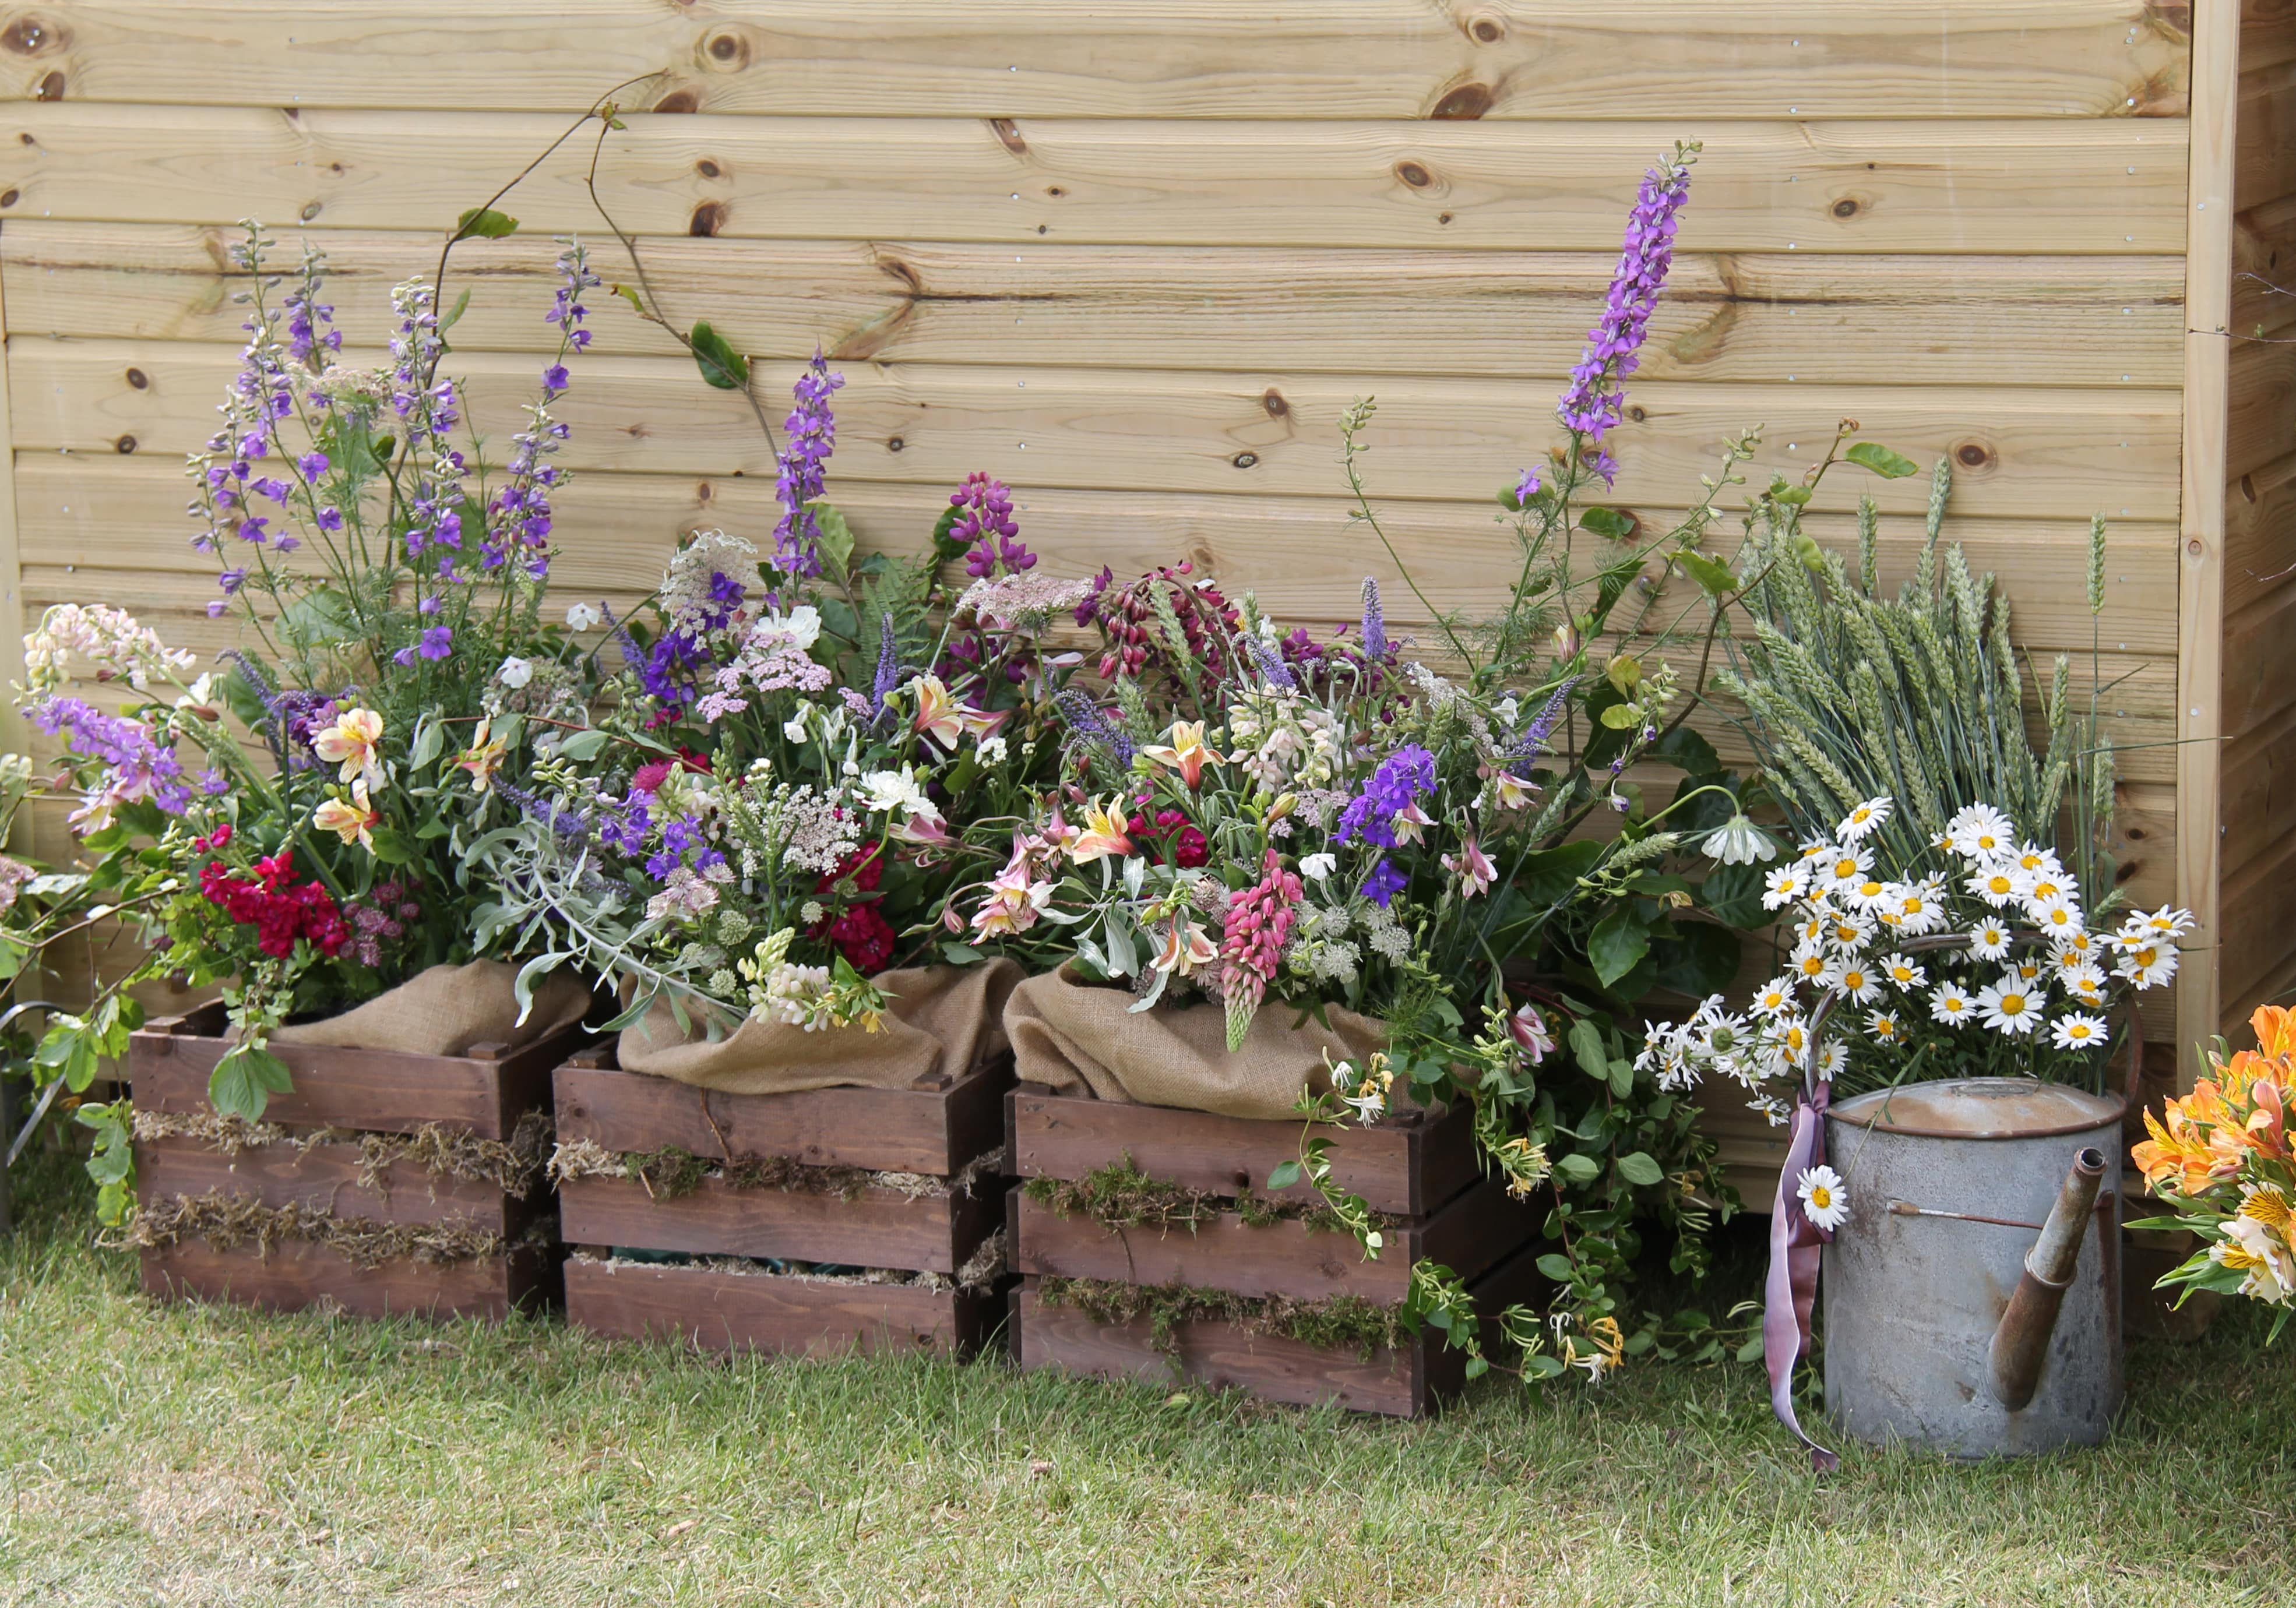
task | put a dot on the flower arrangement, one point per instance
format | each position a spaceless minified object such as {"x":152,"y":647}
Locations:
{"x":2221,"y":1156}
{"x":293,"y":822}
{"x":1974,"y":958}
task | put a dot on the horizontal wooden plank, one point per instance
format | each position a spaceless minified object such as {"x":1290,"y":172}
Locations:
{"x":874,"y":1228}
{"x":2112,"y":187}
{"x":2018,"y":453}
{"x":2264,"y":156}
{"x":1758,"y":316}
{"x":2261,"y":421}
{"x":2257,"y":796}
{"x":2259,"y":532}
{"x":299,"y":1275}
{"x":721,"y":1310}
{"x":2255,"y":936}
{"x":2259,"y":662}
{"x":1133,"y":58}
{"x":117,"y":525}
{"x":325,"y":1178}
{"x":930,"y":1131}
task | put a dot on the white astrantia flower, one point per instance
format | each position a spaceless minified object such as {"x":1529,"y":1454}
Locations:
{"x":1739,"y":842}
{"x":2076,"y":1031}
{"x":993,"y":750}
{"x":2009,"y":1007}
{"x":887,"y":791}
{"x":582,"y":617}
{"x":801,"y":628}
{"x":1782,"y":887}
{"x":1903,"y":972}
{"x":1318,"y":868}
{"x":1824,"y":1199}
{"x":1866,"y":820}
{"x":1950,"y":1003}
{"x":515,"y":673}
{"x":1774,"y":998}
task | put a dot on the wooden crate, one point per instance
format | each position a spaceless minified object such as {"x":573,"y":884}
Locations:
{"x":941,"y":1129}
{"x":1414,"y":1167}
{"x":485,"y":1093}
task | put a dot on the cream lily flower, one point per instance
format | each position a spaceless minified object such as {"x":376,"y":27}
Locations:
{"x":1104,"y":834}
{"x":354,"y":741}
{"x":1187,"y":949}
{"x":351,"y":819}
{"x":939,"y":716}
{"x":1185,"y":752}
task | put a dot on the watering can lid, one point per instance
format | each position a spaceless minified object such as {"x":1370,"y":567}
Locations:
{"x":1980,"y":1108}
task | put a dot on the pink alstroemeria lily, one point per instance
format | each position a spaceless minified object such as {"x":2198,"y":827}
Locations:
{"x":1014,"y":900}
{"x":1513,"y":792}
{"x":1187,"y":948}
{"x":1185,"y":752}
{"x":352,"y":820}
{"x":482,"y":758}
{"x":1104,"y":834}
{"x":353,"y":740}
{"x":1471,"y":865}
{"x":1531,"y":1038}
{"x":1410,"y":822}
{"x":943,"y":717}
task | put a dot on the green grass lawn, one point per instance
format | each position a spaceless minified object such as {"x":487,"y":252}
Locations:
{"x":192,"y":1455}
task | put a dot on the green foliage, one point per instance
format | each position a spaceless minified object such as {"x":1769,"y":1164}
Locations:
{"x":722,"y":367}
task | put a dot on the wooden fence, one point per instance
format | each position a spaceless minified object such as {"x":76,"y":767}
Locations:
{"x":1137,"y":257}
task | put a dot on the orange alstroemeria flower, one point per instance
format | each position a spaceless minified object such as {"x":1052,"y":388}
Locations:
{"x":2275,"y":1030}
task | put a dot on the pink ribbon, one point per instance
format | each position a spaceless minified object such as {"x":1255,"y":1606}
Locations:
{"x":1790,"y":1288}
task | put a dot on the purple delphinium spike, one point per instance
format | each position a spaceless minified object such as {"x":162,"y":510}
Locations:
{"x":888,"y":667}
{"x":1591,"y":405}
{"x":812,"y":428}
{"x":1085,"y":718}
{"x":1375,"y":622}
{"x":1401,"y":777}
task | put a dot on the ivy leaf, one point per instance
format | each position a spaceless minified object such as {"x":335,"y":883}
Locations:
{"x":1616,"y":945}
{"x":1702,"y":957}
{"x":484,"y":223}
{"x":1881,"y":460}
{"x":1711,"y":574}
{"x":1640,"y":1169}
{"x":1586,"y":1044}
{"x":720,"y":364}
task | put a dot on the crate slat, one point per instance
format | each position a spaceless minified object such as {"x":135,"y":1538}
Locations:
{"x":729,"y":1311}
{"x":300,"y":1274}
{"x":1407,"y":1168}
{"x":326,"y":1177}
{"x":877,"y":1228}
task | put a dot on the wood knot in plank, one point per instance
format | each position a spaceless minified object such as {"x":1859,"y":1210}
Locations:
{"x":1277,"y":408}
{"x":680,"y":100}
{"x":728,"y":49}
{"x":1008,"y":134}
{"x":1463,"y":104}
{"x":1486,"y":30}
{"x":1974,"y":454}
{"x":708,"y":219}
{"x":35,"y":36}
{"x":1414,"y":175}
{"x":51,"y":88}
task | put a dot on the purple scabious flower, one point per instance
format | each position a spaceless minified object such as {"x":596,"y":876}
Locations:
{"x":1085,"y":720}
{"x":1375,"y":622}
{"x":1384,"y":882}
{"x":812,"y":427}
{"x":985,"y":524}
{"x":1592,"y":403}
{"x":1401,"y":777}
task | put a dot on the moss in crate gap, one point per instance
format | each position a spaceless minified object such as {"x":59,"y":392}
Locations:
{"x":1337,"y":1322}
{"x":669,"y":1172}
{"x":1120,"y":1196}
{"x":227,"y":1222}
{"x":511,"y":1165}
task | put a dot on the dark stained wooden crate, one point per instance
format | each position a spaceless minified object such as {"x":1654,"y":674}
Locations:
{"x":1408,"y":1165}
{"x":937,"y":1128}
{"x":1409,"y":1381}
{"x":374,"y":1091}
{"x":1478,"y":1228}
{"x":485,"y":1093}
{"x":724,"y":1311}
{"x":300,"y":1274}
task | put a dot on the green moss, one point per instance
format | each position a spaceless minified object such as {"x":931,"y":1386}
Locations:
{"x":668,"y":1172}
{"x":1120,"y":1196}
{"x":1336,"y":1323}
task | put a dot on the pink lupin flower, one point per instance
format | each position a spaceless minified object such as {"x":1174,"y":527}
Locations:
{"x":1251,"y":942}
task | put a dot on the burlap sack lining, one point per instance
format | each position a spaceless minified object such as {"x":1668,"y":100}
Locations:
{"x":446,"y":1009}
{"x":944,"y":1019}
{"x":1084,"y":1038}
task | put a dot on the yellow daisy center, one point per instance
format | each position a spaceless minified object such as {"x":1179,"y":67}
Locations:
{"x":1999,"y":885}
{"x":2013,"y":1005}
{"x":1844,"y":869}
{"x":2081,"y":1030}
{"x":1820,"y":1196}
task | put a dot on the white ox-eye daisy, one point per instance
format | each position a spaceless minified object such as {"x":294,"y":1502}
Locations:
{"x":2163,"y":923}
{"x":1902,"y":972}
{"x":1823,"y":1199}
{"x":1981,"y":832}
{"x":1866,"y":818}
{"x":1859,"y":981}
{"x":1814,"y":965}
{"x":1774,"y":998}
{"x":1782,"y":887}
{"x":1950,"y":1003}
{"x":1989,"y":940}
{"x":2148,"y":964}
{"x":1996,"y":885}
{"x":2009,"y":1007}
{"x":2076,"y":1031}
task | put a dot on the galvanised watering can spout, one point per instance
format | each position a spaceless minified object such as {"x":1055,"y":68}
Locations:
{"x":2021,"y":1341}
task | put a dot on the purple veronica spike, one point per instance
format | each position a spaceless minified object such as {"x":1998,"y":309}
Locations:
{"x":889,"y":667}
{"x":1592,"y":403}
{"x":1084,"y":717}
{"x":1272,"y":667}
{"x":1375,"y":622}
{"x":1532,"y":743}
{"x":812,"y":438}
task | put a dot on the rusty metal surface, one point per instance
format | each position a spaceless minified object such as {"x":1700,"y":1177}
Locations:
{"x":1980,"y":1108}
{"x":1911,"y":1303}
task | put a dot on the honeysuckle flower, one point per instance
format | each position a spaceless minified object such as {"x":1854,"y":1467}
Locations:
{"x":1104,"y":834}
{"x":1739,"y":842}
{"x":1473,"y":868}
{"x":1186,"y":949}
{"x":353,"y":818}
{"x":483,"y":757}
{"x":1825,"y":1198}
{"x":515,"y":672}
{"x":355,"y":742}
{"x":1184,"y":751}
{"x":1866,"y":820}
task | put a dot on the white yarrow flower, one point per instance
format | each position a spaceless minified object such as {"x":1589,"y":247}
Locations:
{"x":1824,"y":1199}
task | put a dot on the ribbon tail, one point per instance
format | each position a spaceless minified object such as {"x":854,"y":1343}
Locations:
{"x":1790,"y":1289}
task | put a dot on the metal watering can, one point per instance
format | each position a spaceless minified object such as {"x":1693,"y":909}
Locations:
{"x":1972,"y":1296}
